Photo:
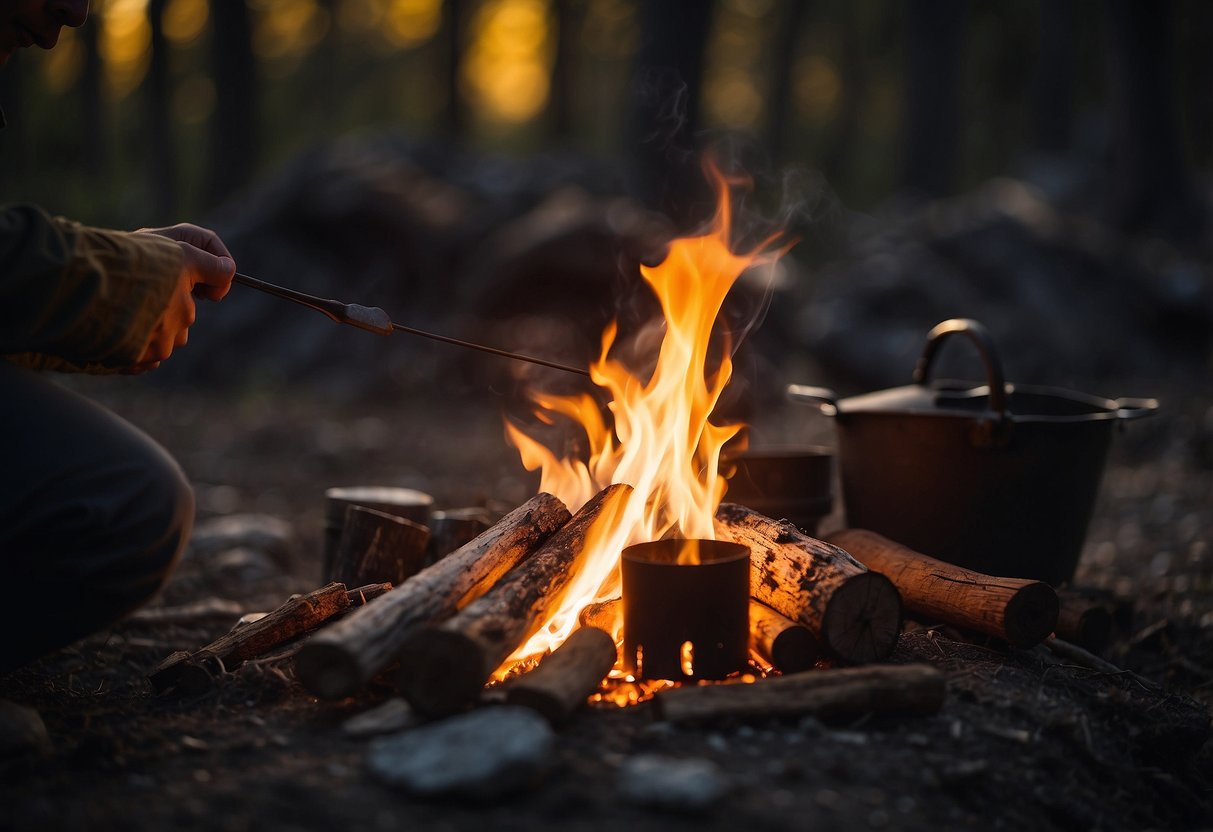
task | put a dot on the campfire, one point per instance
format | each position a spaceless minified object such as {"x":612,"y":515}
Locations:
{"x":627,"y":578}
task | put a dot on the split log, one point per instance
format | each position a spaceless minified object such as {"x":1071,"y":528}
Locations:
{"x":405,"y":503}
{"x":378,"y":547}
{"x":444,"y":668}
{"x":341,"y":660}
{"x":854,"y":613}
{"x":910,"y":689}
{"x":782,"y":643}
{"x":1083,"y":621}
{"x":1018,"y":611}
{"x":454,"y":527}
{"x":563,"y":680}
{"x":296,"y":616}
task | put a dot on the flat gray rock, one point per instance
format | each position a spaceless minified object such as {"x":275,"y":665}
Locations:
{"x":486,"y":754}
{"x":392,"y":716}
{"x":671,"y":784}
{"x":265,"y":533}
{"x":22,"y":732}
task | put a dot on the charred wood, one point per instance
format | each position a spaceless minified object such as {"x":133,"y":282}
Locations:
{"x":1018,"y":611}
{"x":563,"y":679}
{"x":854,"y":613}
{"x":912,"y":689}
{"x":343,"y":658}
{"x":443,"y":668}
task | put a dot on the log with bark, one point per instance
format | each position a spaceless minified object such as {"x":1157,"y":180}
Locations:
{"x":911,"y":689}
{"x":854,"y":613}
{"x":444,"y":668}
{"x":296,"y":616}
{"x":565,"y":678}
{"x":339,"y":661}
{"x":1083,"y":621}
{"x":1018,"y":611}
{"x":378,"y":547}
{"x":787,"y":646}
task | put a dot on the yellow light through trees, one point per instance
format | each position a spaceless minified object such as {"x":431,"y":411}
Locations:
{"x":124,"y":44}
{"x":62,"y":65}
{"x":184,"y":20}
{"x":508,"y":61}
{"x":817,"y":87}
{"x":736,"y":50}
{"x":411,"y":22}
{"x":287,"y":28}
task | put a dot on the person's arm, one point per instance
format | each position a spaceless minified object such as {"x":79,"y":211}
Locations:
{"x":74,"y":297}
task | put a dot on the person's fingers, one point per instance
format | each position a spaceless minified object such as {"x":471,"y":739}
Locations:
{"x":212,"y":274}
{"x":197,"y":236}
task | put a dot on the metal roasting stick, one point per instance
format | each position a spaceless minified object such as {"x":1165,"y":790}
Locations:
{"x":374,"y":319}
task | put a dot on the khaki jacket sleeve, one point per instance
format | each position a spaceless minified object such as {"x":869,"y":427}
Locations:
{"x":74,"y":297}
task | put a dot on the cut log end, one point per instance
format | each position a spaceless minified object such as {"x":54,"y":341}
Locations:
{"x":1031,"y":615}
{"x":862,"y":620}
{"x":559,"y":686}
{"x":442,"y":672}
{"x":794,"y":650}
{"x":327,"y":670}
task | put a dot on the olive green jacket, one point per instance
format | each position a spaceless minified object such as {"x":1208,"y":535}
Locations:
{"x":79,"y":299}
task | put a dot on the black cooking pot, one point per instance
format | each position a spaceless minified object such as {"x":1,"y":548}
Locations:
{"x":1000,"y":478}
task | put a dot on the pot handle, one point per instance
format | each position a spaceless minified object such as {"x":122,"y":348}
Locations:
{"x":824,"y":397}
{"x":985,"y":346}
{"x":1128,"y":408}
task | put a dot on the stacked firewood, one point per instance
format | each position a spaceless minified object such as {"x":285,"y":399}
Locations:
{"x":441,"y":632}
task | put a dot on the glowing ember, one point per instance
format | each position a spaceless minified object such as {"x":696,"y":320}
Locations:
{"x":661,"y":441}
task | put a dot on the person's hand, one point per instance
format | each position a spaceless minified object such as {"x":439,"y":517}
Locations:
{"x":206,"y":272}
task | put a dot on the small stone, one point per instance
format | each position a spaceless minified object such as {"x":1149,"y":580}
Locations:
{"x":22,"y":732}
{"x":671,"y":784}
{"x":391,"y":717}
{"x":265,"y":533}
{"x":243,"y":564}
{"x":486,"y":754}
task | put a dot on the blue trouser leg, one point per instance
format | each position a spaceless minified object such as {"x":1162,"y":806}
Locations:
{"x":93,"y":516}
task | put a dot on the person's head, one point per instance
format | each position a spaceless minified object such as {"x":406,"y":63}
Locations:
{"x":25,"y":23}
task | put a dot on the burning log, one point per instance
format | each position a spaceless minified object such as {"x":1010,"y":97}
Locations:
{"x":785,"y":645}
{"x":1018,"y":611}
{"x":444,"y":668}
{"x":910,"y":689}
{"x":1083,"y":621}
{"x":376,"y":546}
{"x":343,"y":658}
{"x":563,"y":680}
{"x":855,"y":614}
{"x":296,"y":616}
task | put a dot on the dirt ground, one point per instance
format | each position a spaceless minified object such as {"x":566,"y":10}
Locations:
{"x":1024,"y":740}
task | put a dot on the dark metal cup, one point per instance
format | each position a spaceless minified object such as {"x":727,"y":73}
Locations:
{"x":685,"y":621}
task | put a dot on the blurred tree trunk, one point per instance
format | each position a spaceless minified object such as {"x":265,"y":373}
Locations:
{"x":14,"y":158}
{"x":853,"y":84}
{"x":158,"y":113}
{"x":1149,"y":174}
{"x":1199,"y":87}
{"x":234,"y":125}
{"x":1054,"y":87}
{"x":560,"y":99}
{"x":665,"y":108}
{"x":935,"y":34}
{"x":92,"y":104}
{"x":326,"y":68}
{"x":790,"y":18}
{"x":452,"y":24}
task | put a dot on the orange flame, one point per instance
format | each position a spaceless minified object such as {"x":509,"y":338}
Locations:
{"x":661,"y":441}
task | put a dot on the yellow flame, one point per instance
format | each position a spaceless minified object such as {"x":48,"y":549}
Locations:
{"x":660,"y":440}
